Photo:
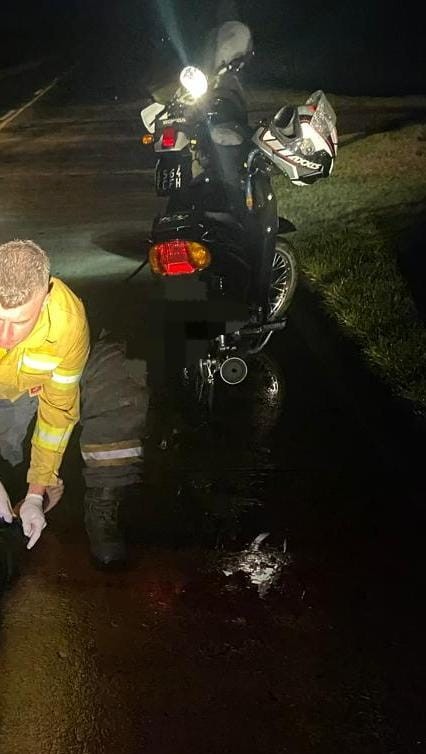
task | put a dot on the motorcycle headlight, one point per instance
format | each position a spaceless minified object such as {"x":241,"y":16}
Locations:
{"x":194,"y":81}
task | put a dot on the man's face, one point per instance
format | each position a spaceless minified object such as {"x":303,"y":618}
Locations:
{"x":16,"y":324}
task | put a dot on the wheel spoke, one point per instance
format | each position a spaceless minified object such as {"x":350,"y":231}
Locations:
{"x":281,"y":281}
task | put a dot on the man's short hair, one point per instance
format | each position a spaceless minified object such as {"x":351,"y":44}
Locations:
{"x":24,"y":272}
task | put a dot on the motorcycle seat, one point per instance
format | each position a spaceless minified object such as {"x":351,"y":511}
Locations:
{"x":225,"y":135}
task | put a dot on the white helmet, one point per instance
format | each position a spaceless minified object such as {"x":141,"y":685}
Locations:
{"x":302,"y":141}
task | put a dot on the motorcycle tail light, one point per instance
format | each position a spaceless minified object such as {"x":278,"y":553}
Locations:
{"x":177,"y":257}
{"x":168,"y":138}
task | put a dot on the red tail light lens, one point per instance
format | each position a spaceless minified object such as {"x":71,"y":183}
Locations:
{"x":177,"y":257}
{"x":171,"y":258}
{"x":168,"y":138}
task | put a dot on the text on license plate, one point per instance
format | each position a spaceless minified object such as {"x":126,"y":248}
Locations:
{"x":171,"y":178}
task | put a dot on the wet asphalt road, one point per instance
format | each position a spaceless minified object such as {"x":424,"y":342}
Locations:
{"x":186,"y":651}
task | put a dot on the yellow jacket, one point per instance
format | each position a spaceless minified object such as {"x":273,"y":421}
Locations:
{"x":48,"y":364}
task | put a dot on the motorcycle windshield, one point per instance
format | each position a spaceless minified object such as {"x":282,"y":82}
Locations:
{"x":324,"y":118}
{"x":227,"y":43}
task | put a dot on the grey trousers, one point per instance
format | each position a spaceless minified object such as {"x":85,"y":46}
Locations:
{"x":114,"y":405}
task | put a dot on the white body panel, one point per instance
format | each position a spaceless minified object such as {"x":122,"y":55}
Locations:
{"x":149,"y":114}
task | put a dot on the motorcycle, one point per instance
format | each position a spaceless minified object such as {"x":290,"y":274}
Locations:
{"x":220,"y":240}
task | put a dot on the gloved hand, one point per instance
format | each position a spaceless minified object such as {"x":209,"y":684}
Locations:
{"x":5,"y":508}
{"x":32,"y":517}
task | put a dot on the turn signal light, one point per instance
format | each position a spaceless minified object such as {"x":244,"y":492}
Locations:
{"x":177,"y":257}
{"x":147,"y":139}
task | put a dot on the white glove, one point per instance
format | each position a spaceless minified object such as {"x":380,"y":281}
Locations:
{"x":5,"y":508}
{"x":32,"y":517}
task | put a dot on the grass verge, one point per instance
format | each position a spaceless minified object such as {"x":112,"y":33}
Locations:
{"x":352,"y":232}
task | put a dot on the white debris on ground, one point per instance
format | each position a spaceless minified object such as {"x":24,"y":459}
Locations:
{"x":262,"y":564}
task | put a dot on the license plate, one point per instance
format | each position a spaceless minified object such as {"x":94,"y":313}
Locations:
{"x":169,"y":178}
{"x":173,"y":173}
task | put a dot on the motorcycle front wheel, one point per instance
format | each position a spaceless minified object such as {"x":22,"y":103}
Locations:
{"x":283,"y":280}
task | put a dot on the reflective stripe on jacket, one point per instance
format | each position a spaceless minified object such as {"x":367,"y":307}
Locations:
{"x":49,"y":364}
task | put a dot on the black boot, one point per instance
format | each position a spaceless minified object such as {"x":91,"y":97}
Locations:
{"x":103,"y":527}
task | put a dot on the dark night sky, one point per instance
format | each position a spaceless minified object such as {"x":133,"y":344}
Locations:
{"x":353,"y":47}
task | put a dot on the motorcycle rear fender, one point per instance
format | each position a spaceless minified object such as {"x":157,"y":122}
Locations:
{"x":177,"y":224}
{"x":210,"y":228}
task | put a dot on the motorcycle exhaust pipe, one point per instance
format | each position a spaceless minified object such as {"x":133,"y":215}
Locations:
{"x":233,"y":370}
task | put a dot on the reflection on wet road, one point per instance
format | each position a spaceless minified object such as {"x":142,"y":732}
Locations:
{"x":216,"y":639}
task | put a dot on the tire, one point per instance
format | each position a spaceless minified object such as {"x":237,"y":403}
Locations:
{"x":251,"y":410}
{"x":283,"y":280}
